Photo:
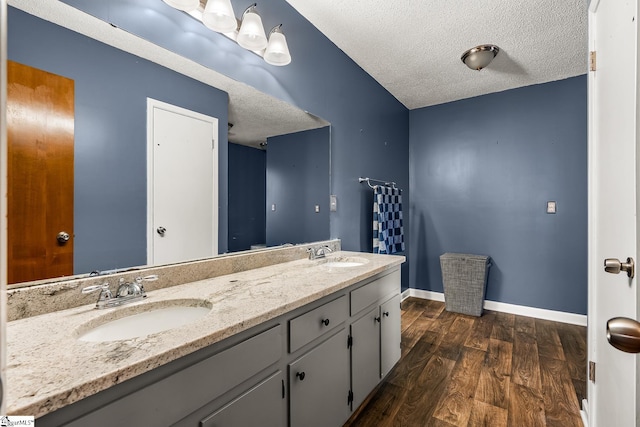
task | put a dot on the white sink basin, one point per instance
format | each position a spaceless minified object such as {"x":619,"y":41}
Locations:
{"x":141,"y":321}
{"x":343,"y":262}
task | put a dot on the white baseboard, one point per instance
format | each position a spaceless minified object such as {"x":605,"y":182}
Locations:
{"x":584,"y":413}
{"x":521,"y":310}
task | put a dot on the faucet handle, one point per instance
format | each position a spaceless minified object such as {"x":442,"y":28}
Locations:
{"x":150,"y":278}
{"x":89,"y":289}
{"x":312,"y":253}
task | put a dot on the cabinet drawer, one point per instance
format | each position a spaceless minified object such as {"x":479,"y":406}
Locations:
{"x":169,"y":399}
{"x":372,"y":292}
{"x":309,"y":326}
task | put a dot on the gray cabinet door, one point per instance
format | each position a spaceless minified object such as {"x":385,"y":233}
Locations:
{"x":390,"y":334}
{"x":319,"y":384}
{"x":365,"y":355}
{"x":261,"y":406}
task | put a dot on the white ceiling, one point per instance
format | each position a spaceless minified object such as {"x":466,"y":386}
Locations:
{"x":413,"y":47}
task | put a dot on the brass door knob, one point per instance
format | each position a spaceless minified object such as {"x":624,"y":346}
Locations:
{"x":614,"y":266}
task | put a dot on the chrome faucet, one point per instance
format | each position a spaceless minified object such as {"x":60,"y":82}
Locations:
{"x":320,"y":252}
{"x":127,"y":292}
{"x":105,"y":294}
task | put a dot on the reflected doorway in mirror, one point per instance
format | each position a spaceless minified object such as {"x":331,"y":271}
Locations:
{"x":182,"y":222}
{"x":40,"y":179}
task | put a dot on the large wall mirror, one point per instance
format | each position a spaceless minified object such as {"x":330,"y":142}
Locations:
{"x":273,"y":173}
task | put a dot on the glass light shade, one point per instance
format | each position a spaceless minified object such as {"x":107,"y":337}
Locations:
{"x":480,"y":56}
{"x":218,"y":15}
{"x":277,"y":52}
{"x":251,"y":35}
{"x":186,"y":5}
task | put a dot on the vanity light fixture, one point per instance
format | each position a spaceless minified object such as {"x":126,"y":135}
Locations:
{"x":186,"y":5}
{"x":218,"y":15}
{"x":251,"y":34}
{"x":277,"y":52}
{"x":479,"y":57}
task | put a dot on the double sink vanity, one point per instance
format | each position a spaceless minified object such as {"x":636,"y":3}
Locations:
{"x":270,"y":338}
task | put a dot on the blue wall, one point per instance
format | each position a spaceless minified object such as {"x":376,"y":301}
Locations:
{"x":482,"y":170}
{"x":111,"y":90}
{"x":297,"y":170}
{"x":247,"y":190}
{"x":369,"y":127}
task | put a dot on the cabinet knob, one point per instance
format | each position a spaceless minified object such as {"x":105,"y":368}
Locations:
{"x":325,"y":322}
{"x":385,"y":314}
{"x":300,"y":375}
{"x":377,"y":319}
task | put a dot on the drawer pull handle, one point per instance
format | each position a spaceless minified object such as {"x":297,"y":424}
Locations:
{"x":325,"y":322}
{"x":300,"y":375}
{"x":385,"y":314}
{"x":377,"y":319}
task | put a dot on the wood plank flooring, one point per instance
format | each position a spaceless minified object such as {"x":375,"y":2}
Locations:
{"x":496,"y":370}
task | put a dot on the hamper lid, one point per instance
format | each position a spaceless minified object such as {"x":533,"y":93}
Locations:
{"x":456,"y":256}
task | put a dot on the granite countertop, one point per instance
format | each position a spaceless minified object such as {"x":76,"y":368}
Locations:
{"x":49,"y":368}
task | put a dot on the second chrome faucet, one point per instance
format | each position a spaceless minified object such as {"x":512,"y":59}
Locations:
{"x":319,"y":252}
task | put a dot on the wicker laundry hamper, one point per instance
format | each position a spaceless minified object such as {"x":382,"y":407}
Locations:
{"x":464,"y":277}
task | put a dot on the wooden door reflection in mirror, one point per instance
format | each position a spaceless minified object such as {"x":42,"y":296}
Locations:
{"x":40,"y":134}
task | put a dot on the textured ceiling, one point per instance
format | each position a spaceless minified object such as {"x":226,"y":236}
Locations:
{"x":413,"y":47}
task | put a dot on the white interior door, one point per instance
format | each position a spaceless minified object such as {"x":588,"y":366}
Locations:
{"x":613,"y":130}
{"x":182,"y":184}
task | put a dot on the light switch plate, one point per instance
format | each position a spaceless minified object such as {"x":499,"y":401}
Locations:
{"x":273,"y":207}
{"x":333,"y":203}
{"x":317,"y":208}
{"x":551,"y":207}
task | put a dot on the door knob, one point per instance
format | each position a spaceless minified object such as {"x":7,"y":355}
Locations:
{"x":161,"y":230}
{"x":613,"y":265}
{"x":624,"y":334}
{"x":63,"y":237}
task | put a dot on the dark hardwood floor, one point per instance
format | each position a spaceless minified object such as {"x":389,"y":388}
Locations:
{"x":496,"y":370}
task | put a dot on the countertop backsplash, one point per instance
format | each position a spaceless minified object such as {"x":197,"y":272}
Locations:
{"x":61,"y":295}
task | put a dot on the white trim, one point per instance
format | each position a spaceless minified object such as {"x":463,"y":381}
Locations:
{"x":521,"y":310}
{"x":151,"y":105}
{"x":584,"y":413}
{"x":419,"y":293}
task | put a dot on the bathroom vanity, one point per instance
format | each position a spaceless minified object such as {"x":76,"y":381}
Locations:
{"x":299,"y":343}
